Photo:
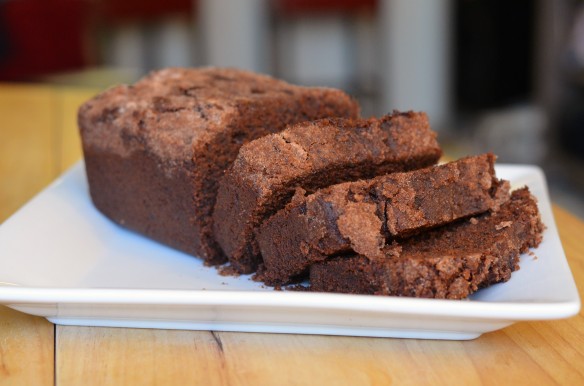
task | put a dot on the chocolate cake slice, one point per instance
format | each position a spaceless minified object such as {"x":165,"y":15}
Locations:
{"x":155,"y":150}
{"x":311,"y":155}
{"x":450,"y":262}
{"x":362,"y":216}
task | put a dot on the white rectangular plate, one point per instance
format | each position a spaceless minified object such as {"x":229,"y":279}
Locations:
{"x":63,"y":260}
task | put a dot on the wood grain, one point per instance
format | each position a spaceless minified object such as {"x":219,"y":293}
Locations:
{"x":38,"y":140}
{"x":27,"y":164}
{"x":26,"y":349}
{"x":67,"y":134}
{"x":511,"y":356}
{"x":114,"y":356}
{"x":27,"y":143}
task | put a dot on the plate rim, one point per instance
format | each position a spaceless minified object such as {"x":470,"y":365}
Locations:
{"x":514,"y":310}
{"x":508,"y":311}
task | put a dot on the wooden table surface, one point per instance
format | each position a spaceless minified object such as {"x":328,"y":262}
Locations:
{"x":38,"y":140}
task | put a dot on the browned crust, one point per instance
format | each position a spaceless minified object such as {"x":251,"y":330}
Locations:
{"x":155,"y":150}
{"x":362,"y":216}
{"x":449,"y":262}
{"x":312,"y":155}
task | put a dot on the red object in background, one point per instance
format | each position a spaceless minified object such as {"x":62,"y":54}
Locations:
{"x":303,"y":7}
{"x":42,"y":37}
{"x":124,"y":10}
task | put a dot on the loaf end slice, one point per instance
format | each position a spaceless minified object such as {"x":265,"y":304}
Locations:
{"x":450,"y":262}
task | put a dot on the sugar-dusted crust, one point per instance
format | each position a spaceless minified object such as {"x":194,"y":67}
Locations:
{"x":312,"y":155}
{"x":450,"y":262}
{"x":155,"y":150}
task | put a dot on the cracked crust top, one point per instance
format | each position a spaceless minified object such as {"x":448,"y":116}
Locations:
{"x":297,"y":151}
{"x":170,"y":110}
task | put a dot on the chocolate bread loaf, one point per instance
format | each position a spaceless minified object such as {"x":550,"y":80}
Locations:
{"x":364,"y":216}
{"x":450,"y":262}
{"x":311,"y":155}
{"x":155,"y":150}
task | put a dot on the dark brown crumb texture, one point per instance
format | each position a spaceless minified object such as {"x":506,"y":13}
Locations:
{"x":311,"y":155}
{"x":155,"y":150}
{"x":230,"y":165}
{"x":449,"y":262}
{"x":363,"y":216}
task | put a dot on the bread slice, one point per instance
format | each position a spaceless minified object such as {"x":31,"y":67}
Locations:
{"x":155,"y":150}
{"x":364,"y":216}
{"x":450,"y":262}
{"x":311,"y":155}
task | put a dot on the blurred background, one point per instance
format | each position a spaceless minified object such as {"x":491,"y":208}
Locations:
{"x":501,"y":76}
